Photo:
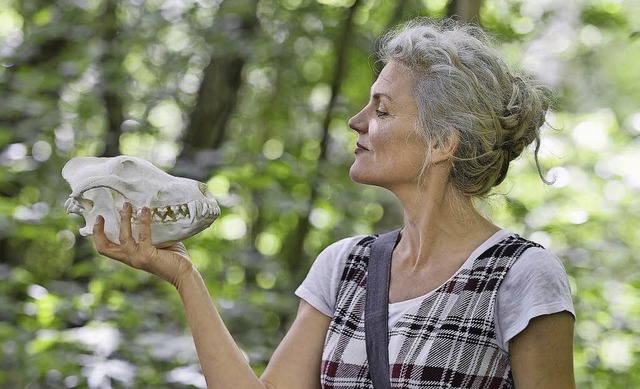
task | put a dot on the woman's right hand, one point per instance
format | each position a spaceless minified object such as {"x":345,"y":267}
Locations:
{"x":171,"y":263}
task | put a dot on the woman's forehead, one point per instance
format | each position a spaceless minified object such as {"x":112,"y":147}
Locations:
{"x":395,"y":82}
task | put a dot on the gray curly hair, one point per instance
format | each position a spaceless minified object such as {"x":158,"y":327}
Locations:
{"x":463,"y":85}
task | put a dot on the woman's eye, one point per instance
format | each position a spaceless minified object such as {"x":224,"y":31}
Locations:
{"x":381,"y":113}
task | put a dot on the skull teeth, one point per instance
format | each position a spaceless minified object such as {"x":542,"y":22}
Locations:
{"x":190,"y":210}
{"x":168,"y":214}
{"x":72,"y":205}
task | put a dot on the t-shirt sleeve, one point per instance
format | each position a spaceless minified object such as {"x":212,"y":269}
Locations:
{"x":536,"y":285}
{"x":320,"y":286}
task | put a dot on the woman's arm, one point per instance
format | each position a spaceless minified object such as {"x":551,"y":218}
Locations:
{"x":542,"y":354}
{"x":296,"y":363}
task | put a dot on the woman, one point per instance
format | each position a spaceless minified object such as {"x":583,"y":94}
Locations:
{"x":444,"y":119}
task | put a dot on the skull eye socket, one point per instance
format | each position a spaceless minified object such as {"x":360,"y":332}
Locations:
{"x":129,"y":170}
{"x":86,"y":203}
{"x":205,"y":191}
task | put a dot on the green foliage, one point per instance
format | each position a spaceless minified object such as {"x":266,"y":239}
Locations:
{"x":73,"y":319}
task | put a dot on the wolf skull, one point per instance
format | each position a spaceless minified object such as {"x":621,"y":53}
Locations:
{"x":180,"y":207}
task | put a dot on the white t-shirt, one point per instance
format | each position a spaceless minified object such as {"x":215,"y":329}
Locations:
{"x":535,"y":285}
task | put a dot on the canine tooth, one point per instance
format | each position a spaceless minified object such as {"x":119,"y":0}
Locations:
{"x":192,"y":210}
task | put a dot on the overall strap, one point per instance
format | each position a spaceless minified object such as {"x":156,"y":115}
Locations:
{"x":376,"y":311}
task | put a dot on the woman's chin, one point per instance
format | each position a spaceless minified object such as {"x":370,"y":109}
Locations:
{"x":358,"y":177}
{"x":353,"y":174}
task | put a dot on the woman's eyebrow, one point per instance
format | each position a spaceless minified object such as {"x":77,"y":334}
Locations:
{"x":379,"y":95}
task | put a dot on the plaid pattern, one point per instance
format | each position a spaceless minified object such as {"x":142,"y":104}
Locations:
{"x":449,"y":341}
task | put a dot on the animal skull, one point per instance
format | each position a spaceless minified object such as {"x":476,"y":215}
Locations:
{"x":180,"y":207}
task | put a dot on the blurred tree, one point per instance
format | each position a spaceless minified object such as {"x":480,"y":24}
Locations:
{"x":110,"y":61}
{"x":253,"y":98}
{"x":231,"y":40}
{"x":467,"y":10}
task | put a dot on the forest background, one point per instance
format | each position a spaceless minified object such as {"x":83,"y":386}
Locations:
{"x":253,"y":97}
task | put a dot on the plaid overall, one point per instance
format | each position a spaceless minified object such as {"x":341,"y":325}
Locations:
{"x":449,"y":341}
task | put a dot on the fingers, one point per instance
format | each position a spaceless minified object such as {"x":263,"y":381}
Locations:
{"x":103,"y":245}
{"x":139,"y":254}
{"x":145,"y":249}
{"x":120,"y":252}
{"x":144,"y":234}
{"x":99,"y":237}
{"x":125,"y":236}
{"x":169,"y":264}
{"x":136,"y":254}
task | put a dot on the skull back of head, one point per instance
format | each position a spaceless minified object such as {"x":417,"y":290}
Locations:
{"x":180,"y":207}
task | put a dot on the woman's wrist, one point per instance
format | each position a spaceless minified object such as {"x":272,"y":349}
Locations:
{"x":187,"y":279}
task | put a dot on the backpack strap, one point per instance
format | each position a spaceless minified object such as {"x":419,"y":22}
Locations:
{"x":376,"y":311}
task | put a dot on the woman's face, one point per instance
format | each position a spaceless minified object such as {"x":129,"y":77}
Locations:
{"x":389,"y":153}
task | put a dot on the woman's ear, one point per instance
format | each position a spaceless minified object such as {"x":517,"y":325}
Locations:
{"x":445,"y":151}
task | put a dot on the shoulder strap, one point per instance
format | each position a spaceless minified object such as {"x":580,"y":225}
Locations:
{"x":376,"y":311}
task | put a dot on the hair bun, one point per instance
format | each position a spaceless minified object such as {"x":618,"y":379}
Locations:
{"x":463,"y":85}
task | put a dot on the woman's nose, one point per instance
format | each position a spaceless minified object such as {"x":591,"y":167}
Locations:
{"x":358,"y":122}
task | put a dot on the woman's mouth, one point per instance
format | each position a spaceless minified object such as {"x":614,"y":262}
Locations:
{"x":360,"y":148}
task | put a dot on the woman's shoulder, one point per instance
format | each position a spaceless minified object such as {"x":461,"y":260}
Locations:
{"x":320,"y":287}
{"x":534,"y":256}
{"x":540,"y":261}
{"x":330,"y":262}
{"x":536,"y":284}
{"x":536,"y":274}
{"x":340,"y":248}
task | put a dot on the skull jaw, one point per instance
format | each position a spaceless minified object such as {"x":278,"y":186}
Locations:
{"x":162,"y":234}
{"x":108,"y":202}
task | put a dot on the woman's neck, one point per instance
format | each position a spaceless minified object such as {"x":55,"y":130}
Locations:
{"x":440,"y":224}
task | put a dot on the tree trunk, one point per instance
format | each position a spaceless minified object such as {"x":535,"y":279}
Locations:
{"x":111,"y":64}
{"x":294,"y":250}
{"x":218,"y":93}
{"x":467,"y":10}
